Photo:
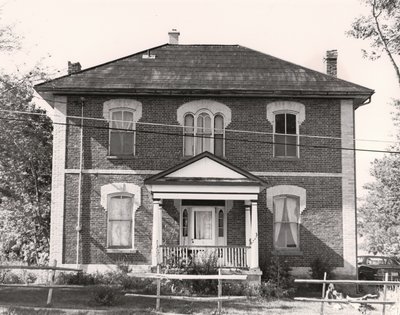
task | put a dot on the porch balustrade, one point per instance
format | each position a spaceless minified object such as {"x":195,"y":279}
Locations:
{"x":225,"y":256}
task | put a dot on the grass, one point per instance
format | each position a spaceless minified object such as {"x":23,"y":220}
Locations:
{"x":82,"y":299}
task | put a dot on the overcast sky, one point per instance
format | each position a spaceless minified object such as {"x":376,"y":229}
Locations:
{"x":300,"y":31}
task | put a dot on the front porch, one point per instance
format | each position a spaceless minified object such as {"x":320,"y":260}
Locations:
{"x":203,"y":190}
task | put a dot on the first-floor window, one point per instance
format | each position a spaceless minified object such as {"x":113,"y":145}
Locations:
{"x":220,"y":223}
{"x":286,"y":222}
{"x":120,"y":221}
{"x":185,"y":223}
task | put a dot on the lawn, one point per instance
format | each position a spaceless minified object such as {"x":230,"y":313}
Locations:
{"x":82,"y":299}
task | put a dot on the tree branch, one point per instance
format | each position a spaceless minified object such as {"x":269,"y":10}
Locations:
{"x":384,"y":40}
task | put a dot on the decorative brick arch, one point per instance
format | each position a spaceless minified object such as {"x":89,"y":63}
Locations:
{"x":286,"y":106}
{"x":114,"y":188}
{"x":133,"y":105}
{"x":286,"y":190}
{"x":210,"y":106}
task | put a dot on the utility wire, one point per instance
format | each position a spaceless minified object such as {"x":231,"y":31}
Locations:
{"x":202,"y":136}
{"x":181,"y":127}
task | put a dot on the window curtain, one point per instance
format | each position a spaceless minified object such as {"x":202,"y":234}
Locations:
{"x":120,"y":221}
{"x":203,"y":225}
{"x":286,"y":222}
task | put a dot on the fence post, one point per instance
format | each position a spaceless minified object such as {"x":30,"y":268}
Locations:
{"x":158,"y":289}
{"x":219,"y":292}
{"x":52,"y":278}
{"x":384,"y":294}
{"x":323,"y":295}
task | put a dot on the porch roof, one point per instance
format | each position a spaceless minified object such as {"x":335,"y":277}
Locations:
{"x":205,"y":176}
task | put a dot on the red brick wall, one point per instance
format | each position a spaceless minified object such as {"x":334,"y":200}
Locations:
{"x":321,"y":222}
{"x":249,"y":151}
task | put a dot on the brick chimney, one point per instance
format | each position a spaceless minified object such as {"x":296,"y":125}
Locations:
{"x":74,"y":67}
{"x":331,"y":62}
{"x":174,"y":37}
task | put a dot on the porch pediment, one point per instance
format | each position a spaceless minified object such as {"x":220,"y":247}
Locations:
{"x":205,"y":176}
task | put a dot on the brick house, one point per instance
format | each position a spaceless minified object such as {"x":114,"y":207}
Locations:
{"x":192,"y":148}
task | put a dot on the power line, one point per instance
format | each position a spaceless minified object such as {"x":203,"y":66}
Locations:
{"x":181,"y":127}
{"x":201,"y":136}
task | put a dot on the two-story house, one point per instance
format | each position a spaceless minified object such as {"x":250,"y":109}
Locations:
{"x":182,"y":149}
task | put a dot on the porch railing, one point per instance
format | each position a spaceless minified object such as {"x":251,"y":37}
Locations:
{"x":225,"y":256}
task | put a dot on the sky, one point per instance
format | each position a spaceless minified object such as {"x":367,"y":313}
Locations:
{"x":96,"y":31}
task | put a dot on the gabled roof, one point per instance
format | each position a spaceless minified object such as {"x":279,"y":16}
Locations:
{"x":205,"y":168}
{"x":201,"y":69}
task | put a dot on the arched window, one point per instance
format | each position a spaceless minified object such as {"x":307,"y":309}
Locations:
{"x":220,"y":223}
{"x":185,"y":223}
{"x":286,"y":221}
{"x":219,"y":135}
{"x":122,"y":140}
{"x":188,"y":143}
{"x":203,"y":132}
{"x":286,"y":136}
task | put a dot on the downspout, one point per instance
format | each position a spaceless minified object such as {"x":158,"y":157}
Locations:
{"x":78,"y":223}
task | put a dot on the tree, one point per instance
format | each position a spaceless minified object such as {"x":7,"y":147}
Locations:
{"x":25,"y":164}
{"x":379,"y":214}
{"x":381,"y":28}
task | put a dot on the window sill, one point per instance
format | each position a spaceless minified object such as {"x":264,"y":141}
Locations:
{"x":287,"y":158}
{"x":120,"y":157}
{"x":288,"y":252}
{"x":121,"y":250}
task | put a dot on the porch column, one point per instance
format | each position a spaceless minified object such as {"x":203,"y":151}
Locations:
{"x":254,"y":235}
{"x":157,"y":230}
{"x":248,"y":229}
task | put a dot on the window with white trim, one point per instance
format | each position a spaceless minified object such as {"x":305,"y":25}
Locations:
{"x":286,"y":135}
{"x":286,"y":210}
{"x":122,"y":132}
{"x":120,"y":220}
{"x":203,"y":132}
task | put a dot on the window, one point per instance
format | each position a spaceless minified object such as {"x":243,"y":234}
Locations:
{"x":286,"y":222}
{"x":203,"y":132}
{"x":120,"y":209}
{"x":286,"y":135}
{"x":221,"y":223}
{"x":122,"y":142}
{"x":185,"y":223}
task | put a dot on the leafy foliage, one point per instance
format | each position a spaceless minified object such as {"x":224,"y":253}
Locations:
{"x":107,"y":295}
{"x":25,"y":165}
{"x":277,"y":270}
{"x":379,"y":215}
{"x":381,"y":29}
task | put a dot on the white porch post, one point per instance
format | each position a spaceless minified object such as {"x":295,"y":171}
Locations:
{"x":254,"y":235}
{"x":157,"y":231}
{"x":248,"y":229}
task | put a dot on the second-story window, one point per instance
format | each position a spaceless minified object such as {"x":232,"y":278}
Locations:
{"x":286,"y":136}
{"x":122,"y":132}
{"x":203,"y":132}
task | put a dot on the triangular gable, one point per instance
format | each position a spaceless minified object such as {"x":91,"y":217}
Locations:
{"x":205,"y":167}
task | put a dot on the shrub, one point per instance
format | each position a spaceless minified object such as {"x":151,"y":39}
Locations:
{"x":80,"y":278}
{"x":319,"y":266}
{"x":277,"y":271}
{"x":9,"y":277}
{"x":107,"y":295}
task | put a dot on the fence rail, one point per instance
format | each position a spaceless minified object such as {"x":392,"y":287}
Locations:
{"x":325,"y":298}
{"x":226,"y":256}
{"x":52,"y":274}
{"x":159,"y":276}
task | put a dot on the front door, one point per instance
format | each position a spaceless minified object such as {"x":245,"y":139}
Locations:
{"x":203,"y":225}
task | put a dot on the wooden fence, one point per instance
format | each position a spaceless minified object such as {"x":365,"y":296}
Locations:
{"x":324,"y":299}
{"x":52,"y":274}
{"x":220,"y":277}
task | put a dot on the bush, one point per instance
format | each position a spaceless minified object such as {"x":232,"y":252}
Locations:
{"x":319,"y":266}
{"x":8,"y":277}
{"x":80,"y":278}
{"x":277,"y":271}
{"x":107,"y":295}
